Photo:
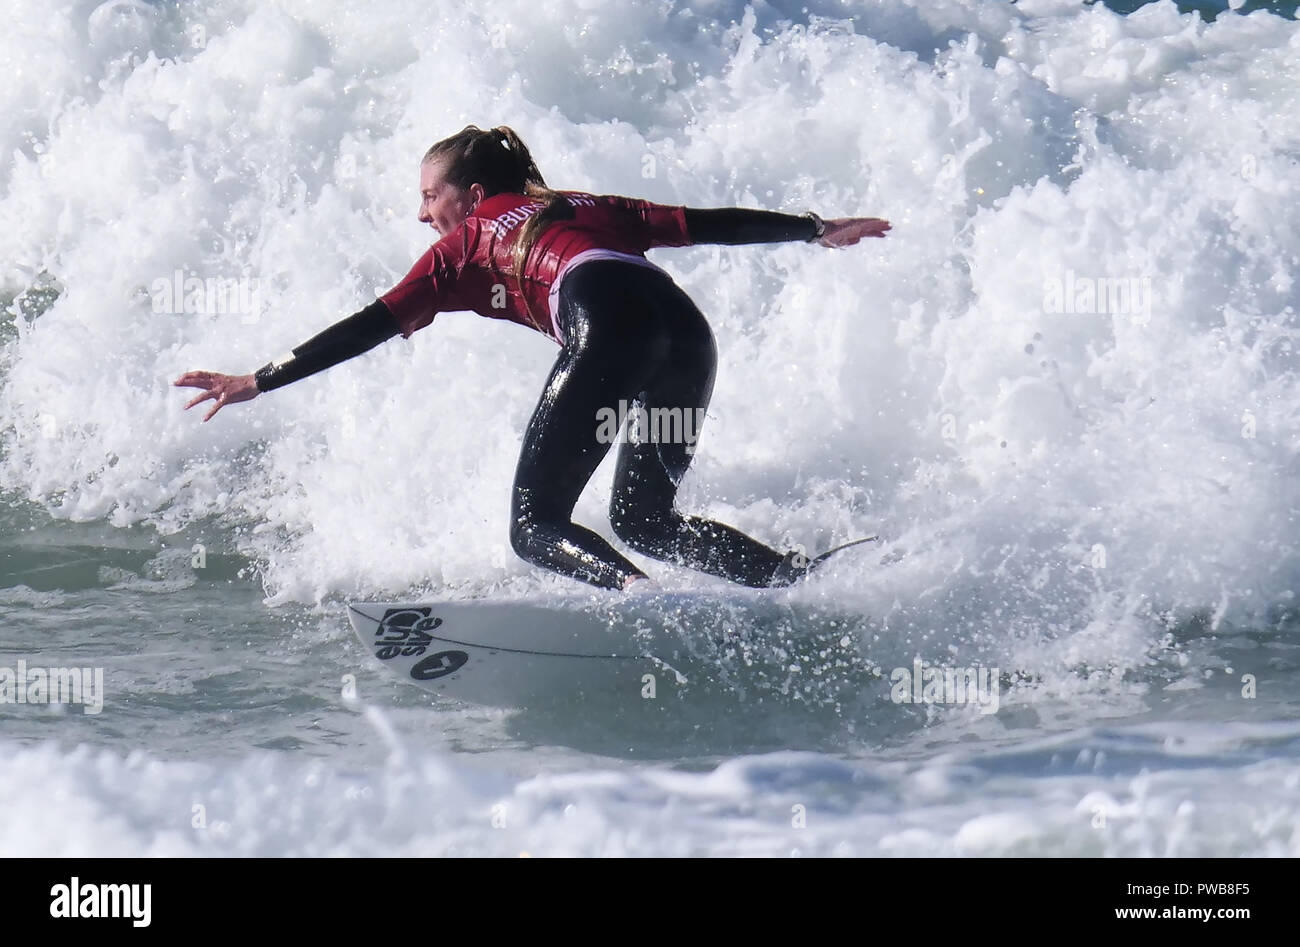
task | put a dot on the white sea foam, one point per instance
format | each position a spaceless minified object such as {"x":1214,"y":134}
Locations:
{"x":778,"y":804}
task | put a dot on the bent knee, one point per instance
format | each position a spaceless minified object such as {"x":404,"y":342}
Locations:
{"x":533,"y":532}
{"x":527,"y":518}
{"x":527,"y":532}
{"x":520,"y":536}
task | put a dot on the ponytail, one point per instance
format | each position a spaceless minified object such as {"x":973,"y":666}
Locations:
{"x":499,"y":161}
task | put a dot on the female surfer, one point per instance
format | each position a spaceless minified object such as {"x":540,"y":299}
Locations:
{"x":572,"y":266}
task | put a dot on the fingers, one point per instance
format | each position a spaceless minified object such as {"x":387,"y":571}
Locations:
{"x":853,"y":231}
{"x":218,"y":386}
{"x":194,"y":380}
{"x":215,"y":408}
{"x":203,"y":397}
{"x":848,"y":231}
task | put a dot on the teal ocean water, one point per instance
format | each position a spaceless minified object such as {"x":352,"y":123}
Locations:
{"x":1209,"y":9}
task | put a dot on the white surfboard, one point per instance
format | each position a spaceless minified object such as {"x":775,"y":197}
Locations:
{"x":510,"y":653}
{"x":515,"y":653}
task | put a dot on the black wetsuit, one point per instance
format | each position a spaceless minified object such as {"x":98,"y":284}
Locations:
{"x":632,"y":338}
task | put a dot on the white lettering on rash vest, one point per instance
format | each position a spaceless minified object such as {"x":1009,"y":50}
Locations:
{"x":504,"y":223}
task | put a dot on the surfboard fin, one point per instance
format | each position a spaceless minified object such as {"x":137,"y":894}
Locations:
{"x":796,"y":565}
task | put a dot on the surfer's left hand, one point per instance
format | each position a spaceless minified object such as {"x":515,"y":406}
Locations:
{"x":846,"y":231}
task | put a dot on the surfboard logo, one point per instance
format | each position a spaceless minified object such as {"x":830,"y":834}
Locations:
{"x":438,"y":665}
{"x":405,"y":632}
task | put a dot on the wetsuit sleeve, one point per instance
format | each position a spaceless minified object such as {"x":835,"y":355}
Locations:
{"x":358,"y":333}
{"x":736,"y":225}
{"x":429,"y":287}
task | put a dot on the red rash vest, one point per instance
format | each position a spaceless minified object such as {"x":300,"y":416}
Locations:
{"x":470,"y":268}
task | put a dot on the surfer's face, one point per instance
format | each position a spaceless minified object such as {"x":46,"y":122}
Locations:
{"x":444,"y":206}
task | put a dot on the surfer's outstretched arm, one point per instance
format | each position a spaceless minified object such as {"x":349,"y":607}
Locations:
{"x":738,"y":225}
{"x":347,"y":338}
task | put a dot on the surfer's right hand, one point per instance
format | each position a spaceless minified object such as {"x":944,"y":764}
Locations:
{"x":227,"y":389}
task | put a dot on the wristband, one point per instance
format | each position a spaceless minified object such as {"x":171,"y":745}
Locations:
{"x":818,"y":224}
{"x":272,"y":375}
